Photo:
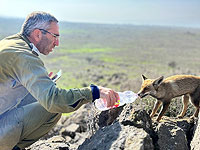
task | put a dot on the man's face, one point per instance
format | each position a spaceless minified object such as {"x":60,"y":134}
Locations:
{"x":49,"y":40}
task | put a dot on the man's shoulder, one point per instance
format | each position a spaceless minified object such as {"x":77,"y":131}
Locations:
{"x":11,"y":39}
{"x":15,"y":45}
{"x":13,"y":42}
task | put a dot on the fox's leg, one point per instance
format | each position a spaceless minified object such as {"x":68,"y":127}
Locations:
{"x":164,"y":108}
{"x":156,"y":106}
{"x":195,"y":98}
{"x":196,"y":112}
{"x":196,"y":104}
{"x":185,"y":100}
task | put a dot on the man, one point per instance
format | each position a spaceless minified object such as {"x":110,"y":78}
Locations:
{"x":30,"y":102}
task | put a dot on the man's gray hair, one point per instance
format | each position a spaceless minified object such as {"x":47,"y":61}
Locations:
{"x":37,"y":20}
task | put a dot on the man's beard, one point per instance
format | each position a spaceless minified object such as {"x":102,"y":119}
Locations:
{"x":43,"y":45}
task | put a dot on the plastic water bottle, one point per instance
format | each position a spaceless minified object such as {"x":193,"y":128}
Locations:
{"x":124,"y":98}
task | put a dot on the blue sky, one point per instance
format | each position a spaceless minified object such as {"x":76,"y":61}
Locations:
{"x":150,"y":12}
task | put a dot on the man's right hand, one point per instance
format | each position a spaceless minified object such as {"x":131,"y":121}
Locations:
{"x":109,"y":95}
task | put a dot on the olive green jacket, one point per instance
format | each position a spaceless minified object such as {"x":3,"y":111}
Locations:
{"x":23,"y":72}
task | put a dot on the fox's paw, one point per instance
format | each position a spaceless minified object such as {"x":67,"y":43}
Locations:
{"x":193,"y":117}
{"x":158,"y":119}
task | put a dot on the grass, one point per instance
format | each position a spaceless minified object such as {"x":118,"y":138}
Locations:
{"x":72,"y":31}
{"x":87,"y":50}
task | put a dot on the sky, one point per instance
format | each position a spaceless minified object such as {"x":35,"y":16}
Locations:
{"x":139,"y":12}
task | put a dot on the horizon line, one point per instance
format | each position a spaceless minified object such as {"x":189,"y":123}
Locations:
{"x":197,"y":26}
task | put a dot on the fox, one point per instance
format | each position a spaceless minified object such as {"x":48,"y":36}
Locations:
{"x":164,"y":90}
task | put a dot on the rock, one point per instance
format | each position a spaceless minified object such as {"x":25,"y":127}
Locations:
{"x":65,"y":132}
{"x":106,"y":118}
{"x":118,"y":136}
{"x":140,"y":140}
{"x":170,"y":136}
{"x":141,"y":119}
{"x":79,"y":119}
{"x":127,"y":133}
{"x":54,"y":143}
{"x":74,"y":128}
{"x":56,"y":139}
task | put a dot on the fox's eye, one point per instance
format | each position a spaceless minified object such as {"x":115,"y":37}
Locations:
{"x":145,"y":88}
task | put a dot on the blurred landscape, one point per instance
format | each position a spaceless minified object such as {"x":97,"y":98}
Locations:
{"x":115,"y":56}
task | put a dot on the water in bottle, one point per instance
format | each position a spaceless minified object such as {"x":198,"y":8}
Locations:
{"x":124,"y":98}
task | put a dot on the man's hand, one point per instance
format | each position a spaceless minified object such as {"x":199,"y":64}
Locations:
{"x":109,"y":95}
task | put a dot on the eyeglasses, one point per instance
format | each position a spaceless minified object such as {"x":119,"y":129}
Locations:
{"x":53,"y":34}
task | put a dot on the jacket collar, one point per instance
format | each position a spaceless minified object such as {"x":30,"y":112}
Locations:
{"x":33,"y":48}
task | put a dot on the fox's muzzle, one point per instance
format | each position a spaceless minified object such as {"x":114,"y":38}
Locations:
{"x":142,"y":95}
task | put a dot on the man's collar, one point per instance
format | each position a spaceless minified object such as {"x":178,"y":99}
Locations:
{"x":34,"y":49}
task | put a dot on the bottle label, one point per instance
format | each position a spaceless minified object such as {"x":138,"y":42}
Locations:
{"x":117,"y":104}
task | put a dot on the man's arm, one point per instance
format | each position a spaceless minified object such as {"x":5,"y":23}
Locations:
{"x":32,"y":74}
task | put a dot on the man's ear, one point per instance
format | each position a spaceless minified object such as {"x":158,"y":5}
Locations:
{"x":157,"y":82}
{"x":143,"y":77}
{"x":36,"y":35}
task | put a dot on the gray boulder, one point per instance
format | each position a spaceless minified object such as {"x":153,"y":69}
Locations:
{"x":118,"y":136}
{"x":171,"y":137}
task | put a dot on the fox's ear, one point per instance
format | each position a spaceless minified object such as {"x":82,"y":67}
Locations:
{"x":157,"y":82}
{"x":143,"y":77}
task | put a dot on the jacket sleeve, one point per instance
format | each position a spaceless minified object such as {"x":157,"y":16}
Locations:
{"x":29,"y":70}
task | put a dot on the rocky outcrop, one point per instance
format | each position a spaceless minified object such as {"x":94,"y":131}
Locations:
{"x":124,"y":128}
{"x":135,"y":130}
